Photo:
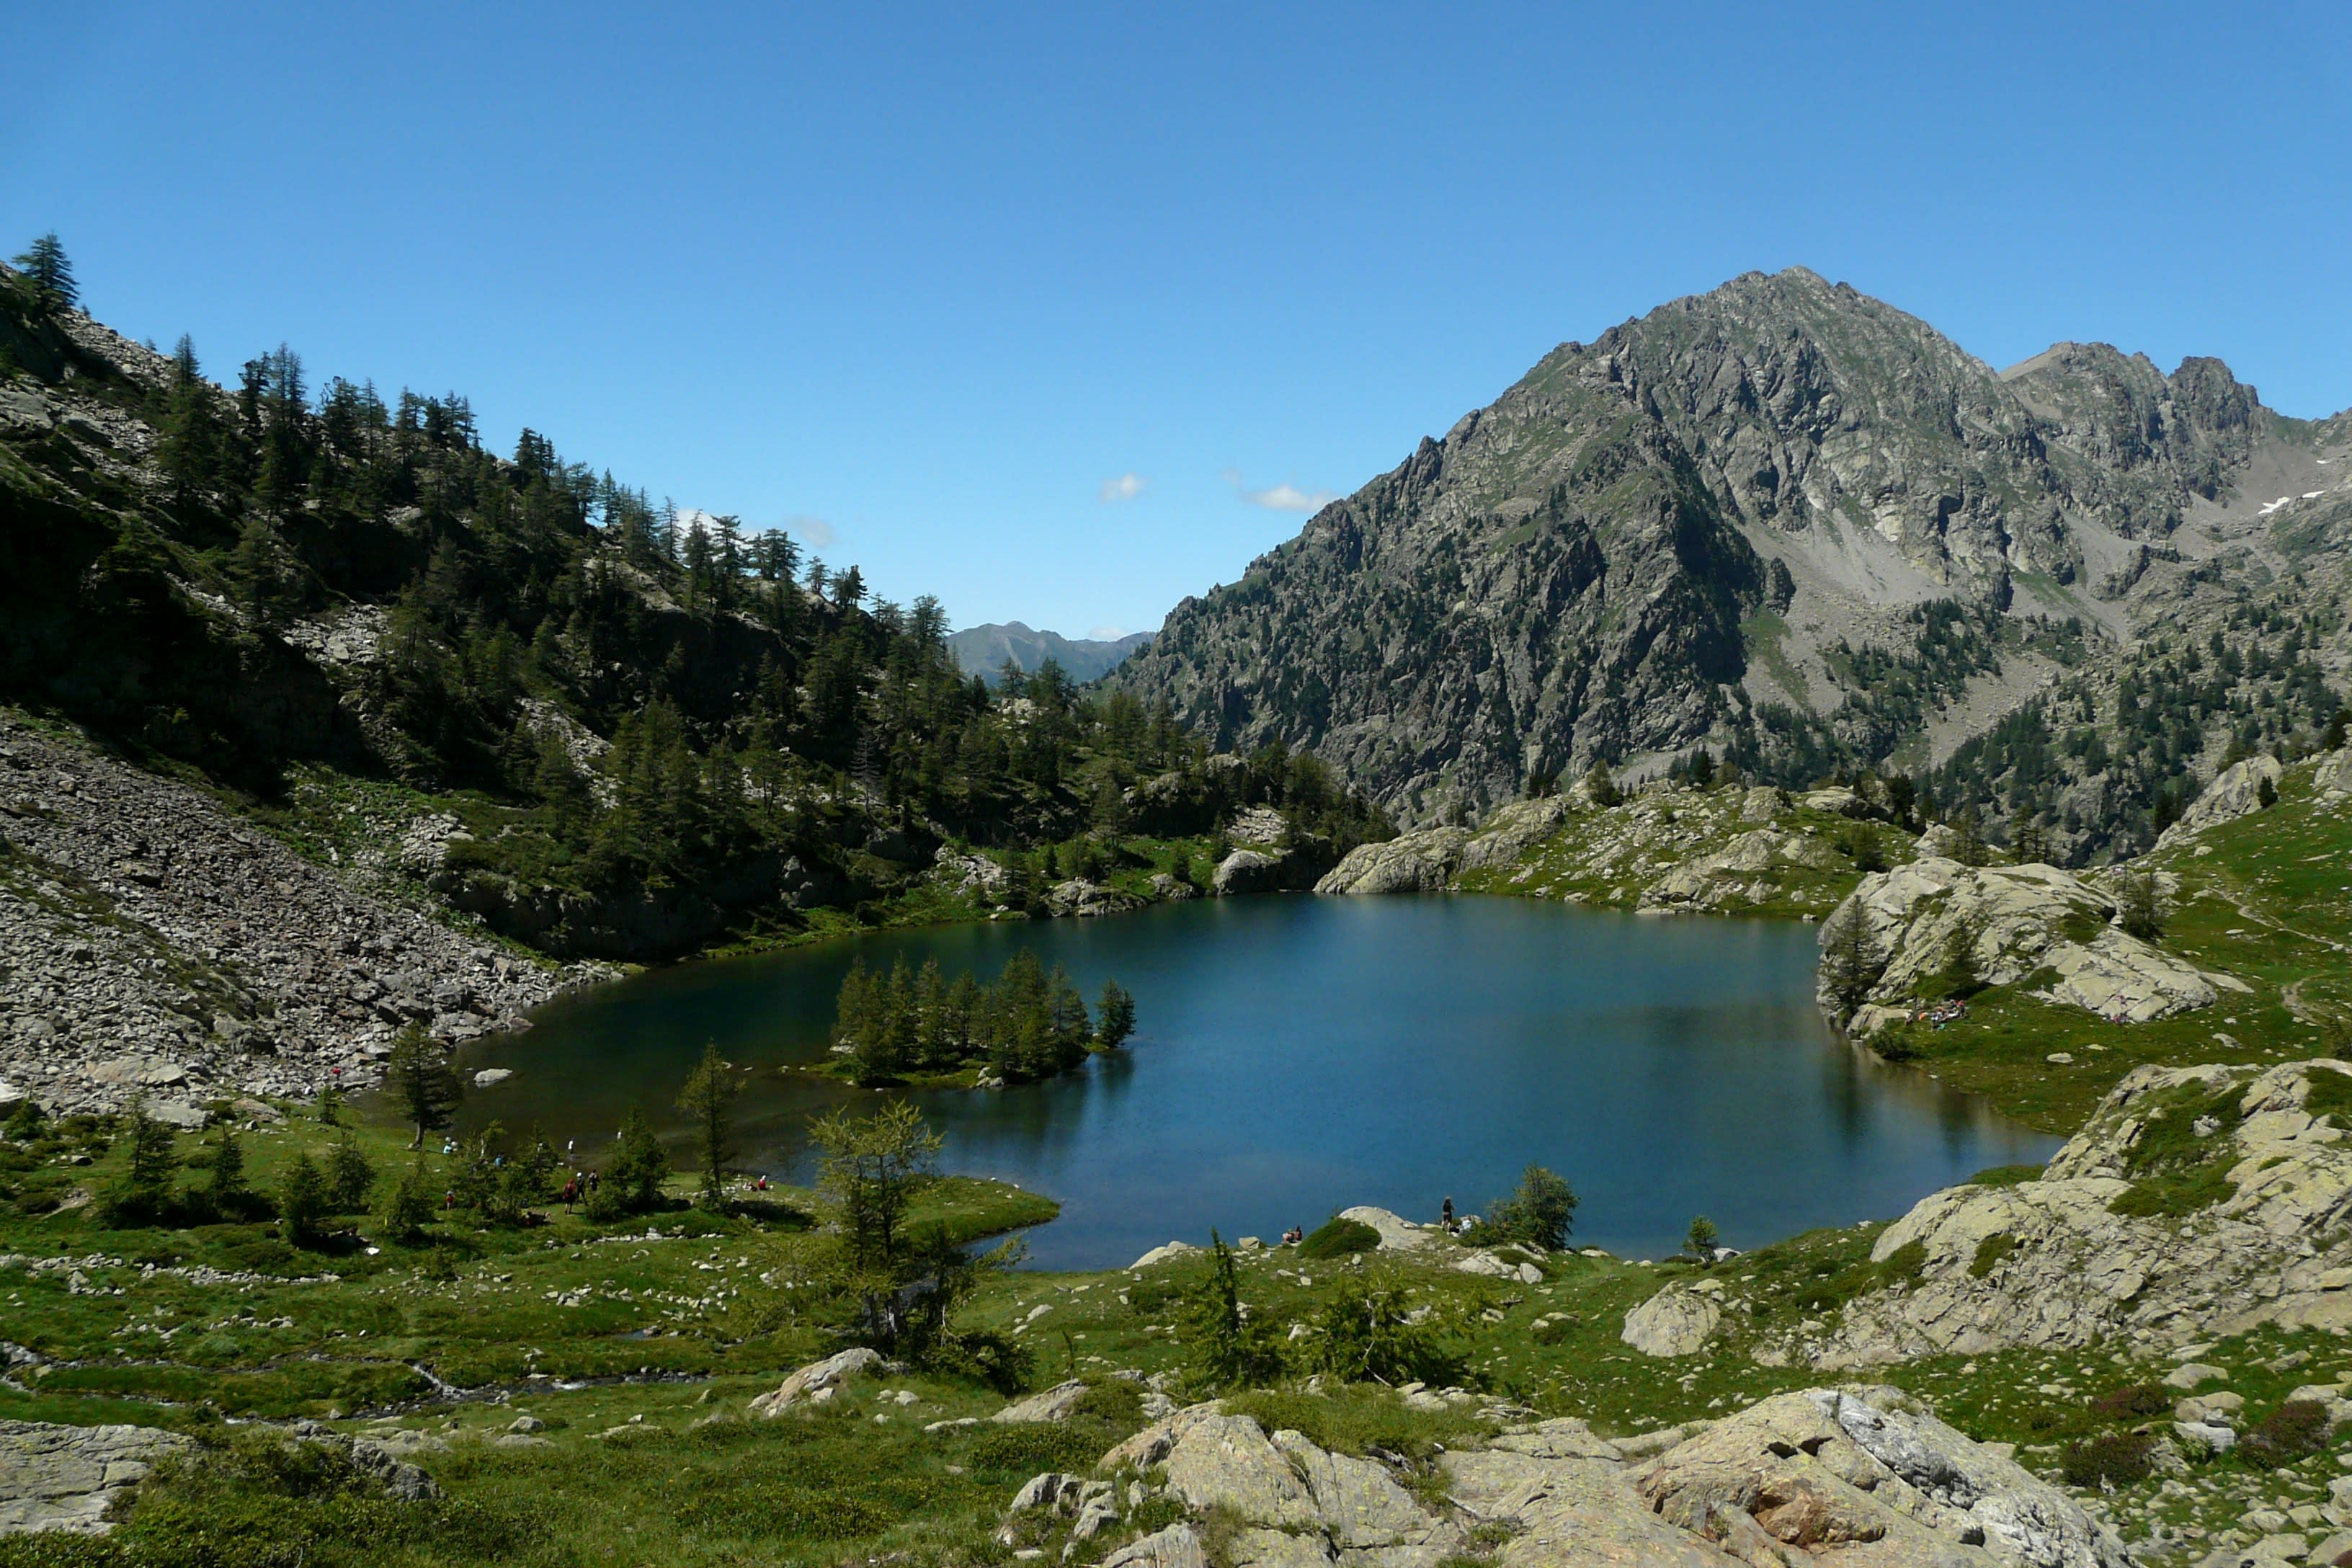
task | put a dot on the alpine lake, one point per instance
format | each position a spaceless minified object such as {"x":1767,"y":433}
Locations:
{"x":1298,"y":1055}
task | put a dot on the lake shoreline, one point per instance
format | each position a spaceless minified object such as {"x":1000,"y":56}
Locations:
{"x":1254,"y":1007}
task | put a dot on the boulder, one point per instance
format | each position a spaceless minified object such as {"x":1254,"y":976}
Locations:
{"x":2235,"y":792}
{"x":1295,"y":1504}
{"x":65,"y":1478}
{"x":2334,"y":774}
{"x":1054,"y":1404}
{"x":817,"y":1378}
{"x":1175,"y":1547}
{"x":1248,"y":871}
{"x":1166,"y":1252}
{"x":2258,"y":1241}
{"x":489,"y":1078}
{"x":1084,"y":899}
{"x":1674,"y":1322}
{"x":1831,"y":1468}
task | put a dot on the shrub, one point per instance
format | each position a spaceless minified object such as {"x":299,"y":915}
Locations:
{"x":1540,"y":1213}
{"x":1337,"y":1238}
{"x":1368,"y":1335}
{"x":2112,"y":1458}
{"x":2133,"y":1402}
{"x":2295,"y":1430}
{"x":2006,"y":1176}
{"x":1989,"y":1252}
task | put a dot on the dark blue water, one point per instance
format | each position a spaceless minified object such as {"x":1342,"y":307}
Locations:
{"x":1298,"y":1055}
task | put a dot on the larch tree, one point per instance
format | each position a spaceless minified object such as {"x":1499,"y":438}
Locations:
{"x":709,"y":1101}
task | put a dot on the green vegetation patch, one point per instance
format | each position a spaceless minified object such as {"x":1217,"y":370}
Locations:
{"x":1337,"y":1238}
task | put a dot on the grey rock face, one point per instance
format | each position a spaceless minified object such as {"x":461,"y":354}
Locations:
{"x":65,"y":1477}
{"x":2017,"y":921}
{"x":2235,"y":792}
{"x":2071,"y":1271}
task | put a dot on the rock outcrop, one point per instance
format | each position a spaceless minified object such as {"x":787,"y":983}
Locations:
{"x":2235,"y":792}
{"x":2196,"y":1202}
{"x":1846,"y":1475}
{"x":2031,"y":923}
{"x":151,"y":942}
{"x":65,"y":1478}
{"x":1054,"y":1404}
{"x":817,"y":1381}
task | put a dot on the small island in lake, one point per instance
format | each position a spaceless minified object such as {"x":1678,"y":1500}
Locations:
{"x":919,"y":1028}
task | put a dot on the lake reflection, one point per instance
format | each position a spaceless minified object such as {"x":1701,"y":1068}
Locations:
{"x":1297,"y":1054}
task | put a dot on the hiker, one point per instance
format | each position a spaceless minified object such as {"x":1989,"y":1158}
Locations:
{"x":1445,"y":1216}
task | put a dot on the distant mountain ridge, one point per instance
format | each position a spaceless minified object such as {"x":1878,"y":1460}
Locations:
{"x":982,"y":651}
{"x":1781,"y":519}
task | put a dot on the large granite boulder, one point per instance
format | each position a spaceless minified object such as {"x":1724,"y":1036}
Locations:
{"x":1674,"y":1322}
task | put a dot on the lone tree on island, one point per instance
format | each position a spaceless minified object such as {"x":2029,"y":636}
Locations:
{"x":422,"y":1082}
{"x":1113,"y":1016}
{"x":708,"y":1098}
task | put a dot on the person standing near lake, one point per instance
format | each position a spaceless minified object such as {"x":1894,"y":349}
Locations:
{"x":1445,"y":1216}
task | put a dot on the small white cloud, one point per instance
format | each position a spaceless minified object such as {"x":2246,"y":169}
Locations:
{"x":812,"y":531}
{"x":1127,"y":486}
{"x":1283,"y":497}
{"x":1106,"y":634}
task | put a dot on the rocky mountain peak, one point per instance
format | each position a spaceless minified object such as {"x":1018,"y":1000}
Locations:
{"x":1648,"y":536}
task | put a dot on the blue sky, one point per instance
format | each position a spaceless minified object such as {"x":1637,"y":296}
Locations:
{"x":1062,"y":313}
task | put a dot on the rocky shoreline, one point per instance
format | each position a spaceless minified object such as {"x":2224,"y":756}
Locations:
{"x":150,"y":942}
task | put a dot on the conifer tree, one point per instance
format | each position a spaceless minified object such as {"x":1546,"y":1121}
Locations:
{"x":46,"y":268}
{"x":709,"y":1101}
{"x":1851,"y":962}
{"x":348,"y":1176}
{"x":226,"y":1171}
{"x":302,"y":1200}
{"x":1113,"y":1016}
{"x":421,"y":1082}
{"x":639,"y":1166}
{"x":144,"y":1188}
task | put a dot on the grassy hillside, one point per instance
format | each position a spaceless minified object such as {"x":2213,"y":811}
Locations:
{"x":639,"y":1345}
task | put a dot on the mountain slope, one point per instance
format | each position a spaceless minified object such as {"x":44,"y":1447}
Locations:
{"x":982,"y":651}
{"x":1781,"y":517}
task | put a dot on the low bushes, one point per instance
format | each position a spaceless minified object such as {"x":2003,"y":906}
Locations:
{"x":1337,"y":1238}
